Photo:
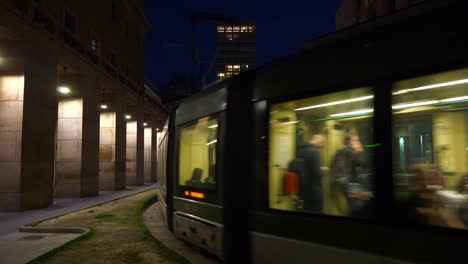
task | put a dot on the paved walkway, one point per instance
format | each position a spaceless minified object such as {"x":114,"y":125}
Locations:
{"x":20,"y":248}
{"x":10,"y":222}
{"x":156,"y":223}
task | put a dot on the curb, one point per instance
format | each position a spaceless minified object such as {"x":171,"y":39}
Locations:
{"x":35,"y":229}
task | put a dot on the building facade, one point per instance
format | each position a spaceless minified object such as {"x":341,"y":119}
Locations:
{"x":352,"y":12}
{"x":235,"y":47}
{"x":75,"y":115}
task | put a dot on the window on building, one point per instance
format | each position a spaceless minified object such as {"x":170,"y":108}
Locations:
{"x":430,"y":148}
{"x":320,"y":154}
{"x":69,"y":21}
{"x":244,"y":29}
{"x":197,"y":154}
{"x":235,"y":36}
{"x":228,"y":29}
{"x":251,"y":29}
{"x":221,"y":75}
{"x":235,"y":29}
{"x":220,"y":28}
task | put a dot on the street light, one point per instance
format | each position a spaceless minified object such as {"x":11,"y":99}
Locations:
{"x":64,"y":90}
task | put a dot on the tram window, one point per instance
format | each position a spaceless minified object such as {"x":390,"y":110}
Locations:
{"x":320,"y":154}
{"x":197,"y":154}
{"x":430,"y":148}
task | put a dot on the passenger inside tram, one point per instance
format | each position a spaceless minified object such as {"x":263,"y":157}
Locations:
{"x":343,"y":123}
{"x":430,"y":150}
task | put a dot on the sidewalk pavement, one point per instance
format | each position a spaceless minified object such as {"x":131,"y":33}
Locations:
{"x":20,"y":248}
{"x":10,"y":222}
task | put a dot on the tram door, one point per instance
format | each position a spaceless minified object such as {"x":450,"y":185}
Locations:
{"x":282,"y":144}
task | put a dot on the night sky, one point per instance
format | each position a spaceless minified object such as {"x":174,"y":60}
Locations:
{"x":282,"y":28}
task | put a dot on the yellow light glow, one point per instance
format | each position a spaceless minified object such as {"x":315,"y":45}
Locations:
{"x":145,"y":124}
{"x":187,"y":193}
{"x":128,"y":116}
{"x":103,"y":106}
{"x":64,"y":90}
{"x":197,"y":195}
{"x":336,"y":103}
{"x":213,"y":126}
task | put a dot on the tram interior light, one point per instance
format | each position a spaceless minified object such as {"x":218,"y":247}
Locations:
{"x":357,"y":112}
{"x":103,"y":106}
{"x":290,"y":122}
{"x":409,"y":105}
{"x":336,"y":103}
{"x":63,"y":90}
{"x":454,"y":99}
{"x":212,"y":142}
{"x":145,"y":124}
{"x":128,"y":117}
{"x":432,"y":86}
{"x":213,"y":126}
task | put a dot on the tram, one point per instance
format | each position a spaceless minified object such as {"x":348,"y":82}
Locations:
{"x":392,"y":93}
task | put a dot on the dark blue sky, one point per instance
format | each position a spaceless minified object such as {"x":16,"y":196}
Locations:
{"x":282,"y":28}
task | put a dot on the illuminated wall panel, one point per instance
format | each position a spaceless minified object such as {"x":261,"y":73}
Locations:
{"x":131,"y":160}
{"x":147,"y":154}
{"x":107,"y":151}
{"x":69,"y":142}
{"x":11,"y":120}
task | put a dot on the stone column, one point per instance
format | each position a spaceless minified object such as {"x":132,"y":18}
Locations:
{"x":27,"y":128}
{"x":120,"y":140}
{"x":90,"y":150}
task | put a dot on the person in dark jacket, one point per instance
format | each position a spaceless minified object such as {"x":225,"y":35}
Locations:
{"x":311,"y":190}
{"x":345,"y":173}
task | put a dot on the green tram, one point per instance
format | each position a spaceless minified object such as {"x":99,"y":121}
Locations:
{"x":391,"y":93}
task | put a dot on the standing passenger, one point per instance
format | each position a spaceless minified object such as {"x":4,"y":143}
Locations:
{"x":345,"y":172}
{"x":311,"y":180}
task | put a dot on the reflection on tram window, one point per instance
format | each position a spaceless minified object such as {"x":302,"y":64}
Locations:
{"x":320,"y":154}
{"x":197,"y":154}
{"x":430,"y":148}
